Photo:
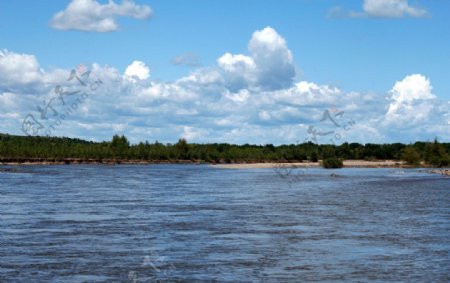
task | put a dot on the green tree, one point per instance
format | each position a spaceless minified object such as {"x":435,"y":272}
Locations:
{"x":411,"y":156}
{"x":120,"y":145}
{"x":436,"y":154}
{"x":328,"y":151}
{"x":182,"y":148}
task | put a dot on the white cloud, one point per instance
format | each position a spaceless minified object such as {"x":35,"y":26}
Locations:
{"x":415,"y":111}
{"x":137,"y":70}
{"x":412,"y":87}
{"x":191,"y":133}
{"x":381,"y":9}
{"x":18,"y":69}
{"x":236,"y":63}
{"x":204,"y":76}
{"x":89,"y":15}
{"x":274,"y":60}
{"x":241,"y":96}
{"x":412,"y":101}
{"x":270,"y":65}
{"x":7,"y":100}
{"x":205,"y":106}
{"x":391,"y":9}
{"x":265,"y":115}
{"x":239,"y":70}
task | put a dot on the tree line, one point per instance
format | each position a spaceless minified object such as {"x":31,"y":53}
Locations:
{"x":119,"y":148}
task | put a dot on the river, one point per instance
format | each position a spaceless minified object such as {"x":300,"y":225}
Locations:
{"x":198,"y":223}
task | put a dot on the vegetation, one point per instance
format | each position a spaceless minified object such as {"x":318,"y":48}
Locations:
{"x":25,"y":148}
{"x":332,"y":162}
{"x":437,"y":154}
{"x":411,"y":156}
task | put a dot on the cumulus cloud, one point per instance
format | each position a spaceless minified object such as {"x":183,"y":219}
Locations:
{"x":92,"y":16}
{"x":137,"y":70}
{"x":270,"y":65}
{"x":274,"y":60}
{"x":412,"y":87}
{"x":18,"y":70}
{"x":240,"y":70}
{"x":411,"y":100}
{"x":229,"y":102}
{"x":391,"y":9}
{"x":381,"y":9}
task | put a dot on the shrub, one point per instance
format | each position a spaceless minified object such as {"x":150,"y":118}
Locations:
{"x":439,"y":161}
{"x":411,"y":156}
{"x":436,"y":154}
{"x":314,"y":157}
{"x":332,"y":162}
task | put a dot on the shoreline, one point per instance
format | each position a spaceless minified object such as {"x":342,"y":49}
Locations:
{"x":445,"y":172}
{"x":347,"y":164}
{"x":350,"y":163}
{"x":82,"y":161}
{"x":246,"y":165}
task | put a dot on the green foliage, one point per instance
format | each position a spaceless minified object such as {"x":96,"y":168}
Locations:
{"x":332,"y":162}
{"x":411,"y":156}
{"x":314,"y":157}
{"x":120,"y":146}
{"x":327,"y":151}
{"x":31,"y":148}
{"x":436,"y":154}
{"x":182,"y":149}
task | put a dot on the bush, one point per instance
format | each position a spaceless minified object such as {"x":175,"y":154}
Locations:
{"x":437,"y":161}
{"x":411,"y":156}
{"x":332,"y":162}
{"x":436,"y":154}
{"x":314,"y":157}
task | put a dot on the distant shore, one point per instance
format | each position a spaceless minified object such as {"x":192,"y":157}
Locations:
{"x":246,"y":165}
{"x":347,"y":163}
{"x":69,"y":161}
{"x":232,"y":165}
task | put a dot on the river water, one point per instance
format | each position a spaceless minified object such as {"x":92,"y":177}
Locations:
{"x":199,"y":223}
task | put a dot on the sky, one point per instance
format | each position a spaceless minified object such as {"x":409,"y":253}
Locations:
{"x":280,"y":72}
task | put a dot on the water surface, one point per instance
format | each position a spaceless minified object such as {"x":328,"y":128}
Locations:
{"x":196,"y":223}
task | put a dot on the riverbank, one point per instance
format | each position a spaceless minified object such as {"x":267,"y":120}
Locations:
{"x":347,"y":163}
{"x":249,"y":165}
{"x":445,"y":172}
{"x":68,"y":161}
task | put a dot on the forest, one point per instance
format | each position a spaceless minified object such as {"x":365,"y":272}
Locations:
{"x":38,"y":148}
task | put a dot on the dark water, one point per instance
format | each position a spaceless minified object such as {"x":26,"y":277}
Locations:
{"x":194,"y":223}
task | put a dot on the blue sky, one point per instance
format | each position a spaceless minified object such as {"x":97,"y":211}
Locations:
{"x":307,"y":56}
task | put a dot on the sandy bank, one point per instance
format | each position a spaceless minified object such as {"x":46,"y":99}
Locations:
{"x":265,"y":165}
{"x":347,"y":163}
{"x":374,"y":164}
{"x":445,"y":172}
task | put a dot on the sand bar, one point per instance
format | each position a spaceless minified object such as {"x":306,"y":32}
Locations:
{"x":347,"y":163}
